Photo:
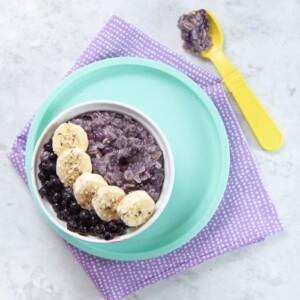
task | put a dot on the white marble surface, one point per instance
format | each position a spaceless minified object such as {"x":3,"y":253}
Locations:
{"x":40,"y":40}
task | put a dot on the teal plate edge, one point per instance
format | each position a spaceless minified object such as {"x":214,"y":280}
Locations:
{"x":82,"y":245}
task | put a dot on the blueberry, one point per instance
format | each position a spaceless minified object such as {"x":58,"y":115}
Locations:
{"x":52,"y":156}
{"x":55,"y":183}
{"x":48,"y":146}
{"x":99,"y":229}
{"x":84,"y":215}
{"x":120,"y":223}
{"x":108,"y":236}
{"x":43,"y":166}
{"x":56,"y":207}
{"x":82,"y":230}
{"x":56,"y":197}
{"x":51,"y":167}
{"x":74,"y":207}
{"x":112,"y":226}
{"x":153,"y":180}
{"x":42,"y":176}
{"x":64,"y":215}
{"x":64,"y":204}
{"x":68,"y":197}
{"x":44,"y":156}
{"x":72,"y":225}
{"x":120,"y":230}
{"x":94,"y":220}
{"x":76,"y":218}
{"x":43,"y":192}
{"x":64,"y":193}
{"x":47,"y":184}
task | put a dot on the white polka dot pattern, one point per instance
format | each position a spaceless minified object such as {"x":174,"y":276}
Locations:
{"x":245,"y":215}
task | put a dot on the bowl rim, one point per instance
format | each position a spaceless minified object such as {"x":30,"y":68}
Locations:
{"x":141,"y":118}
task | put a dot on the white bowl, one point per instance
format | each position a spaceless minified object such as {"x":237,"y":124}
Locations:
{"x":105,"y":105}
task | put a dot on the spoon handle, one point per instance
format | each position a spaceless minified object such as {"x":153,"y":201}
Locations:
{"x":264,"y":128}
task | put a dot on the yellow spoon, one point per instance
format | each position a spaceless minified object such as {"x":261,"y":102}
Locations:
{"x":264,"y":128}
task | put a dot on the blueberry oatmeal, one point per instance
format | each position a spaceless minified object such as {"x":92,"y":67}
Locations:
{"x":194,"y":31}
{"x":102,"y":172}
{"x":123,"y":152}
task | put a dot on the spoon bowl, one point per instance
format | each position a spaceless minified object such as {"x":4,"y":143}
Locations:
{"x":216,"y":33}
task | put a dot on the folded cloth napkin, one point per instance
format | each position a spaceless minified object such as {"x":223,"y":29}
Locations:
{"x":246,"y":214}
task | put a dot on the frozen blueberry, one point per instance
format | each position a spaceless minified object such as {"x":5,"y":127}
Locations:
{"x":94,"y":220}
{"x":47,"y":184}
{"x":43,"y":192}
{"x":112,"y":226}
{"x":76,"y":218}
{"x":119,"y":222}
{"x":83,"y":230}
{"x":72,"y":225}
{"x":108,"y":236}
{"x":68,"y":197}
{"x":42,"y":176}
{"x":48,"y":147}
{"x":99,"y":229}
{"x":56,"y":207}
{"x":64,"y":204}
{"x":51,"y":167}
{"x":84,"y":215}
{"x":52,"y":156}
{"x":55,"y":183}
{"x":153,"y":180}
{"x":43,"y":166}
{"x":64,"y":215}
{"x":44,"y":156}
{"x":56,"y":197}
{"x":120,"y":230}
{"x":74,"y":207}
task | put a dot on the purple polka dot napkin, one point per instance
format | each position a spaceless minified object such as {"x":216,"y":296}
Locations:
{"x":246,"y":214}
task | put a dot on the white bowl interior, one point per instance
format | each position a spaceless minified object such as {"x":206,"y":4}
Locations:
{"x":106,"y":105}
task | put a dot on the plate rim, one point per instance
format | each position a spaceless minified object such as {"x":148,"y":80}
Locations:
{"x":222,"y":137}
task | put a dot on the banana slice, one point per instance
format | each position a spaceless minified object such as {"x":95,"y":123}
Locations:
{"x":71,"y":164}
{"x":106,"y":200}
{"x":85,"y":188}
{"x":68,"y":136}
{"x":136,"y":208}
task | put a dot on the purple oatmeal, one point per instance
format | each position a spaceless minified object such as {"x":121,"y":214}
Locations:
{"x":123,"y":151}
{"x":194,"y":31}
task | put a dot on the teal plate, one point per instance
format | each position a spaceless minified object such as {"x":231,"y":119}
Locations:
{"x":189,"y":121}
